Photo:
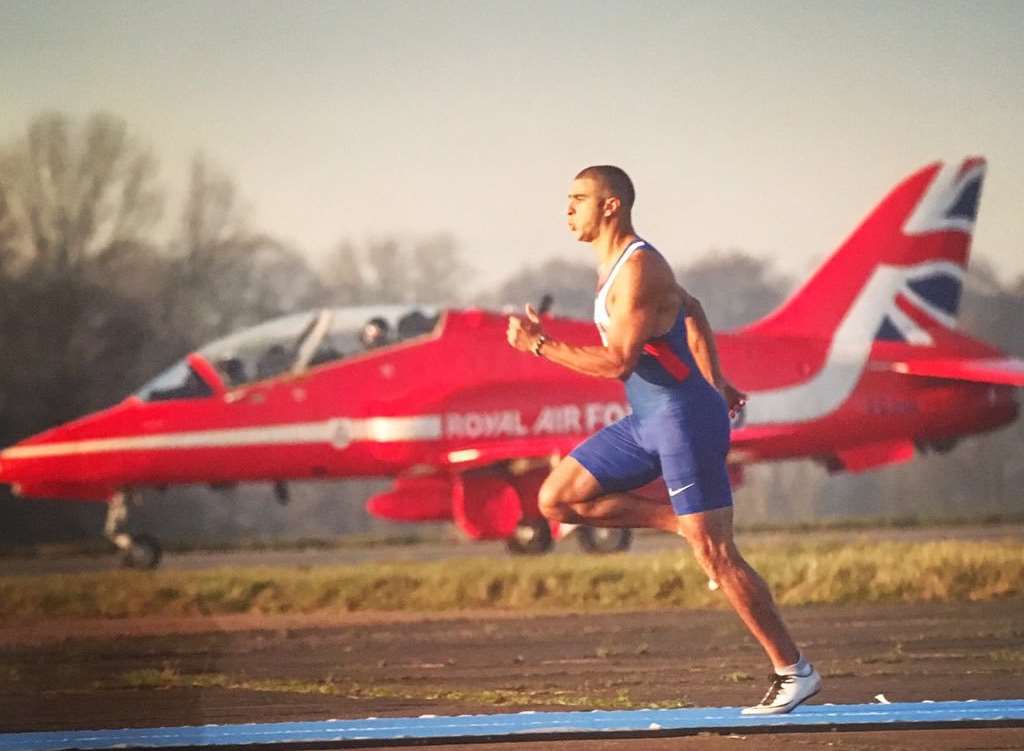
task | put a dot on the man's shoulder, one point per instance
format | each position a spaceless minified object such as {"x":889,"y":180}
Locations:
{"x":648,"y":263}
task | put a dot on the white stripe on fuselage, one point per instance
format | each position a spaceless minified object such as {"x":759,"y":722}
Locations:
{"x":338,"y":432}
{"x":847,"y":354}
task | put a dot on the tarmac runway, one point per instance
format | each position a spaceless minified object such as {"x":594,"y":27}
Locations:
{"x":254,"y":668}
{"x":243,"y":668}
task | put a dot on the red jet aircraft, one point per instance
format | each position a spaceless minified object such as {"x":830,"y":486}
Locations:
{"x":860,"y":367}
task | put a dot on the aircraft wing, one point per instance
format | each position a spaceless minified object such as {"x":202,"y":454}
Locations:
{"x":472,"y":457}
{"x":1008,"y":371}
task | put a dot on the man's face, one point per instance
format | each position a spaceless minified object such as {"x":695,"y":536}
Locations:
{"x":588,"y":204}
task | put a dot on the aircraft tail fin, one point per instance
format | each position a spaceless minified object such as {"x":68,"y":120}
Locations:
{"x":899,"y":276}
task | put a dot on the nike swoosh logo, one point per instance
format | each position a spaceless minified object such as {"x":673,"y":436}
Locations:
{"x":680,"y":490}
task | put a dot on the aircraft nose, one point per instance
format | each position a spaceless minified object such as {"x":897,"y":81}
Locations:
{"x":9,"y":470}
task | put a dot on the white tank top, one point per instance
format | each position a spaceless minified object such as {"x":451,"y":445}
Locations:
{"x":601,"y":317}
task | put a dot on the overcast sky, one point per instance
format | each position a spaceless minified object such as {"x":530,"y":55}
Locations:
{"x":767,"y":126}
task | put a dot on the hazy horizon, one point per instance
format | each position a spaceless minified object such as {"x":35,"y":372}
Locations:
{"x":772,"y":129}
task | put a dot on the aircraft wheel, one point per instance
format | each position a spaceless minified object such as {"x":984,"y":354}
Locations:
{"x":532,"y":537}
{"x":143,"y":553}
{"x":604,"y":539}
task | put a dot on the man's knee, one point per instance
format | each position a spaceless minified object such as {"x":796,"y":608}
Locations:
{"x":570,"y":483}
{"x":715,"y":556}
{"x":710,"y":536}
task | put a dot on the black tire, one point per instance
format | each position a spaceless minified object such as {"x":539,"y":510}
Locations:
{"x":144,"y":553}
{"x":532,"y":537}
{"x":602,"y":540}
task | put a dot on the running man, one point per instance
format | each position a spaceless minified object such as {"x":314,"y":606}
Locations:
{"x":657,"y":339}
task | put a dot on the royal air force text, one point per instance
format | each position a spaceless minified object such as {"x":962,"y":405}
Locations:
{"x":560,"y":419}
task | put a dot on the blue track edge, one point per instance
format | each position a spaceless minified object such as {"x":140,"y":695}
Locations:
{"x":527,"y":726}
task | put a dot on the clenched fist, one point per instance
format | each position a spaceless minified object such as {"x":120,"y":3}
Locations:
{"x":734,"y":398}
{"x":523,"y":333}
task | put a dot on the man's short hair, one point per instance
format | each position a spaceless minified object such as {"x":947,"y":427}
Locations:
{"x":617,"y":181}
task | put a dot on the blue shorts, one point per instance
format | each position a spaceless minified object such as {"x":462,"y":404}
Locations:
{"x":685,"y":446}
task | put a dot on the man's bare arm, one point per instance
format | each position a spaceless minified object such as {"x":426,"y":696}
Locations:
{"x":632,"y":320}
{"x":590,"y":360}
{"x":701,"y":340}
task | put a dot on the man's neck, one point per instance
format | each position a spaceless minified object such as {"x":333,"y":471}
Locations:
{"x":610,"y":244}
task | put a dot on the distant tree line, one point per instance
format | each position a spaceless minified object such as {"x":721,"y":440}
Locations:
{"x":104,"y":282}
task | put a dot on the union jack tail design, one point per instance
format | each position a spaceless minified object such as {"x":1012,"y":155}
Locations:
{"x":902,"y":267}
{"x":891,"y":290}
{"x":928,"y":297}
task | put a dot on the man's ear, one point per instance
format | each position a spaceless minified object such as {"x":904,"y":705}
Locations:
{"x":611,"y":205}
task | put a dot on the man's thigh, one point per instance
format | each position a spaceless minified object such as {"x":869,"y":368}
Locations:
{"x":615,"y":458}
{"x":570,"y":482}
{"x":696,"y":477}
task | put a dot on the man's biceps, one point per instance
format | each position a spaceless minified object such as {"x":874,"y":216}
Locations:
{"x":634,"y":311}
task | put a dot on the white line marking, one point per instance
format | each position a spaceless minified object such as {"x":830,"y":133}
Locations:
{"x":339,"y":432}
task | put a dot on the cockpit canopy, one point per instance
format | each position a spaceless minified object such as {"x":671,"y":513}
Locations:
{"x":293,"y":343}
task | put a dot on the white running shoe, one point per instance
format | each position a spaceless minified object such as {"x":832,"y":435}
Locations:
{"x":786,"y":693}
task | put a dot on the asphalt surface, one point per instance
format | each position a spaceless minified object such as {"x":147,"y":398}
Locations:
{"x":247,"y":667}
{"x":355,"y":666}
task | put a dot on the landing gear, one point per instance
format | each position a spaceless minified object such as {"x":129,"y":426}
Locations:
{"x":532,"y":537}
{"x":281,"y":493}
{"x":604,"y":539}
{"x":137,"y":551}
{"x":144,"y":552}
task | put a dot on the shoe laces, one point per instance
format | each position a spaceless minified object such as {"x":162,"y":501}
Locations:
{"x":777,"y":682}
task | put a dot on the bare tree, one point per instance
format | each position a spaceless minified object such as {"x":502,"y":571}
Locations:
{"x":70,"y":197}
{"x":389,"y":271}
{"x":8,"y":236}
{"x":223,"y":275}
{"x":345,"y":277}
{"x":734,"y":287}
{"x":429,"y":270}
{"x":571,"y":285}
{"x":76,"y":192}
{"x":91,"y":305}
{"x":438,"y":270}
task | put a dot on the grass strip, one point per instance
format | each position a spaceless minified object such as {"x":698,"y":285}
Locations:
{"x":798,"y":573}
{"x":441,"y":533}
